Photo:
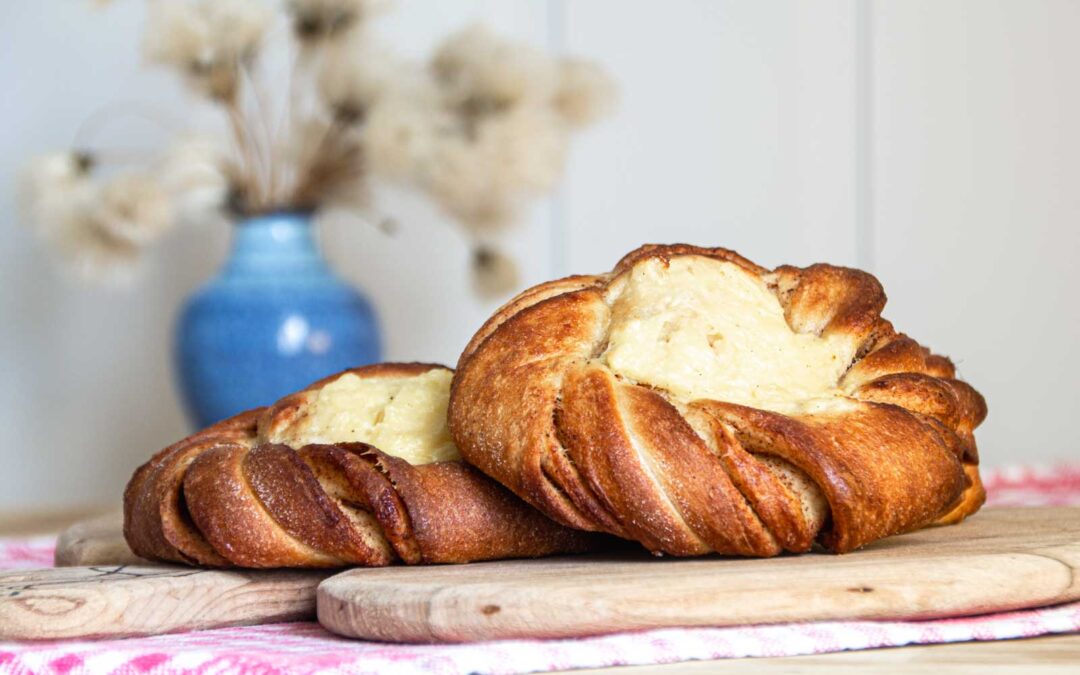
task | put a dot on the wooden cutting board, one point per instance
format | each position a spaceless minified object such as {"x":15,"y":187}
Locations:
{"x":105,"y":590}
{"x":1001,"y":559}
{"x":99,"y":541}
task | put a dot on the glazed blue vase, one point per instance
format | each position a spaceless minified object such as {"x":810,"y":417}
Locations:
{"x":273,"y":321}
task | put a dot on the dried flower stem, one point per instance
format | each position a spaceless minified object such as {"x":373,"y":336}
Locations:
{"x":249,"y":162}
{"x":302,"y":70}
{"x":309,"y":175}
{"x":263,"y":115}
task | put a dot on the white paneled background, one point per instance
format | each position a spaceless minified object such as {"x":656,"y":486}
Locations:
{"x":933,"y":142}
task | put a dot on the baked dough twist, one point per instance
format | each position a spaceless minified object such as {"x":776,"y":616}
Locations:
{"x":694,"y":401}
{"x":237,"y":494}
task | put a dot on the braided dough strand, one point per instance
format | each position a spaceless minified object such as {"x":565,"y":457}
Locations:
{"x":885,"y":446}
{"x":233,"y":496}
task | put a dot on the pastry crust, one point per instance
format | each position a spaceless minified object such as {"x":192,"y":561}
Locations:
{"x":227,"y":496}
{"x":535,"y":405}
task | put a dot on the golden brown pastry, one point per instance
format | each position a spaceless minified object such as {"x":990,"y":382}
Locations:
{"x":695,"y":402}
{"x":358,"y":469}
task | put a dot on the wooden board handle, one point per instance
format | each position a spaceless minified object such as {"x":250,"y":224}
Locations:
{"x":123,"y":600}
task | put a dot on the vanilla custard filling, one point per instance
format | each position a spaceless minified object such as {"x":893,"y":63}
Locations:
{"x":701,"y":328}
{"x":402,"y":416}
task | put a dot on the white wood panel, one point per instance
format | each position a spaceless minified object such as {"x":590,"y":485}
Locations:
{"x":87,"y":391}
{"x":86,"y":387}
{"x":977,"y":163}
{"x":736,"y":129}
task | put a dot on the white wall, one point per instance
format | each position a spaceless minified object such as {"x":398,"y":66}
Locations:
{"x":976,"y":203}
{"x":932,"y":142}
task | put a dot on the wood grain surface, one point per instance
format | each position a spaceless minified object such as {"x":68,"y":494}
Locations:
{"x":999,"y":560}
{"x":100,"y":588}
{"x":127,"y":600}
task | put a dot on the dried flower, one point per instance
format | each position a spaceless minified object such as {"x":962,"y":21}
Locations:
{"x":315,"y":20}
{"x":92,"y":252}
{"x":482,"y":128}
{"x":330,"y":161}
{"x":585,"y":92}
{"x":209,"y":41}
{"x":198,"y":176}
{"x":355,"y":75}
{"x":483,"y":181}
{"x":402,"y":132}
{"x":494,"y":274}
{"x":528,"y":146}
{"x":55,"y":171}
{"x":513,"y":108}
{"x":60,"y":200}
{"x":134,"y":208}
{"x":53,"y":185}
{"x":482,"y":74}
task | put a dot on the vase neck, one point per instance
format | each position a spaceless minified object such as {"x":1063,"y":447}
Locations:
{"x":275,"y":245}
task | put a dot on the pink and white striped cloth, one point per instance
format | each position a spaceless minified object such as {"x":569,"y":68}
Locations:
{"x":307,"y":648}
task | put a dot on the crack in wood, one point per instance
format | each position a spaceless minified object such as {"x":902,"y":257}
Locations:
{"x":102,"y":575}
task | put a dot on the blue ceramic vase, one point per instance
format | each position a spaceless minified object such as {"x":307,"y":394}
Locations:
{"x":273,"y":321}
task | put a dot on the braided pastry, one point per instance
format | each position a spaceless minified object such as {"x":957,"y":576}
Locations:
{"x":358,"y":469}
{"x":696,"y":402}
